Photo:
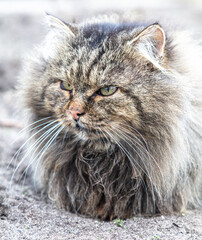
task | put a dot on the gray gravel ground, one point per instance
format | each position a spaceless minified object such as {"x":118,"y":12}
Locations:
{"x":24,"y":213}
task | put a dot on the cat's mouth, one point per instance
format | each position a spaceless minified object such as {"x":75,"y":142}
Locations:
{"x":93,"y":133}
{"x":79,"y":127}
{"x":84,"y":133}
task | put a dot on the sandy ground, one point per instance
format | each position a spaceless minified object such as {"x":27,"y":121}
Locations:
{"x":24,"y":213}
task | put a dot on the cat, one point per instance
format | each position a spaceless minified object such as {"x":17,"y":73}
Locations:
{"x":115,"y":118}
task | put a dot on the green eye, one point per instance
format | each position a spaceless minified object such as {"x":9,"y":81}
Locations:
{"x":66,"y":86}
{"x":107,"y":91}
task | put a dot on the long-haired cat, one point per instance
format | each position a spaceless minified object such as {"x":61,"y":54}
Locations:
{"x":115,"y":118}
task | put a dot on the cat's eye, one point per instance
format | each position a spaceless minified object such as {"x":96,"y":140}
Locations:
{"x":107,"y":91}
{"x":66,"y":86}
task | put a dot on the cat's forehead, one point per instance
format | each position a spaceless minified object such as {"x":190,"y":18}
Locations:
{"x":94,"y":57}
{"x":93,"y":68}
{"x":110,"y":35}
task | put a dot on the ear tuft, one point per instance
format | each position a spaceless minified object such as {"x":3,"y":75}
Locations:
{"x":151,"y":41}
{"x":59,"y":25}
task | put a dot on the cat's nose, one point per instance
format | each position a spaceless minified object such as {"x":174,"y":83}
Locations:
{"x":76,"y":111}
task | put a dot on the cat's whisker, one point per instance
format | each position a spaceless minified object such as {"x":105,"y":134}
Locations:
{"x":31,"y":124}
{"x":145,"y":158}
{"x":133,"y":162}
{"x":99,"y":130}
{"x":25,"y":143}
{"x":143,"y":149}
{"x":31,"y":129}
{"x":106,"y":137}
{"x":65,"y":134}
{"x":135,"y":130}
{"x":27,"y":129}
{"x":31,"y":148}
{"x":127,"y":150}
{"x":39,"y":142}
{"x":130,"y":141}
{"x":46,"y":146}
{"x":135,"y":140}
{"x":21,"y":161}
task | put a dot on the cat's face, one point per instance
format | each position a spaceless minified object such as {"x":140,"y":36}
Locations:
{"x":96,"y":83}
{"x":88,"y":99}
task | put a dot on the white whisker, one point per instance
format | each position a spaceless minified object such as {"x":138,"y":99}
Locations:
{"x":39,"y":142}
{"x":31,"y":124}
{"x":31,"y":137}
{"x":46,"y":146}
{"x":130,"y":141}
{"x":144,"y":150}
{"x":134,"y":129}
{"x":32,"y":146}
{"x":130,"y":157}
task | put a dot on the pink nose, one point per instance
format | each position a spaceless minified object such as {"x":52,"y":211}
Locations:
{"x":76,"y":111}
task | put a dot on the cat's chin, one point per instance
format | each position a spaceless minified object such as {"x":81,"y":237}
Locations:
{"x":84,"y":134}
{"x":92,"y":136}
{"x":93,"y":139}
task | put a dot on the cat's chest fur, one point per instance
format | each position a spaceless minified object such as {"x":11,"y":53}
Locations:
{"x":99,"y":184}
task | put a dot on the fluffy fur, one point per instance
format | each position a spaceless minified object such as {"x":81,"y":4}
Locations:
{"x":137,"y":151}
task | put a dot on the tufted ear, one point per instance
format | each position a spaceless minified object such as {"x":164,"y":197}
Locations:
{"x":58,"y":25}
{"x":150,"y":42}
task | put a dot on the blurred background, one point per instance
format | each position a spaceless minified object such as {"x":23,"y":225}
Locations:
{"x":22,"y":26}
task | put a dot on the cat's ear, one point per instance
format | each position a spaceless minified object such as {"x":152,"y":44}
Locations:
{"x":59,"y":25}
{"x":151,"y":42}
